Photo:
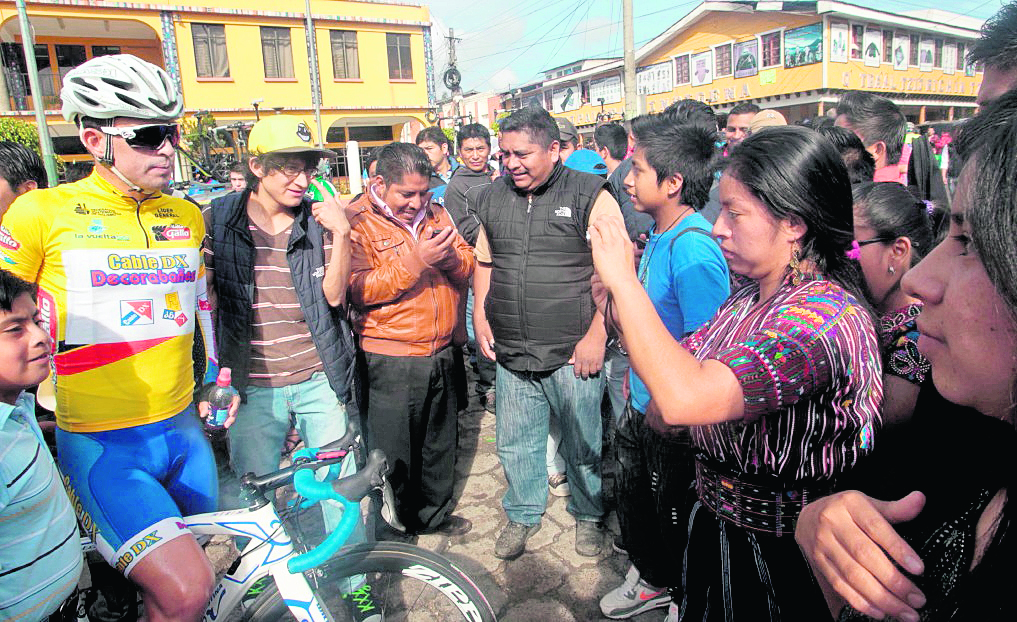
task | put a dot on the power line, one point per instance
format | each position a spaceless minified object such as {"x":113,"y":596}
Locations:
{"x":602,"y":26}
{"x":551,"y":29}
{"x":498,"y":20}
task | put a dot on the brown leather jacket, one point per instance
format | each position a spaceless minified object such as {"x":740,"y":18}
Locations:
{"x":402,"y":306}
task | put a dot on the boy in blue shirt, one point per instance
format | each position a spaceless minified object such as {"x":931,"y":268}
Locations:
{"x":40,"y":552}
{"x":686,"y":277}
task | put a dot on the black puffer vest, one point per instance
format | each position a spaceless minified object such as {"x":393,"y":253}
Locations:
{"x":540,"y":303}
{"x":234,"y":287}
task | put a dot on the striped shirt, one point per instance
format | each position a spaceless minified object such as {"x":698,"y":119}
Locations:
{"x":282,"y":350}
{"x":40,"y":552}
{"x":808,"y":362}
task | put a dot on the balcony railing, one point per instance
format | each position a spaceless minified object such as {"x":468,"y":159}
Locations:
{"x":19,"y":93}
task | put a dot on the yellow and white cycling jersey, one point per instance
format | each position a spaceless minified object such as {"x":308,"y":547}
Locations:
{"x":120,"y":285}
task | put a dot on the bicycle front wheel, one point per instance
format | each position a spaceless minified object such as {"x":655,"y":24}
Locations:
{"x":404,"y":583}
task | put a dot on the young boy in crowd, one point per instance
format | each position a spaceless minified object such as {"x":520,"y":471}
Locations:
{"x":686,"y":277}
{"x":40,"y":554}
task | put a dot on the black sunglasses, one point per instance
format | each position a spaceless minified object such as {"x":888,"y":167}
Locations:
{"x":147,"y":136}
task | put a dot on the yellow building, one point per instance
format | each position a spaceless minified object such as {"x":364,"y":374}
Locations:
{"x":795,"y":57}
{"x":237,"y":59}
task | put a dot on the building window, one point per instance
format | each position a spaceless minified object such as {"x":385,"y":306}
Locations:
{"x":345,"y":60}
{"x":400,"y":67}
{"x":915,"y":42}
{"x":770,"y":43}
{"x":960,"y":56}
{"x":210,"y":59}
{"x":275,"y":49}
{"x":682,"y":74}
{"x":105,"y":50}
{"x":887,"y":46}
{"x":722,"y":60}
{"x":68,"y":57}
{"x":937,"y":58}
{"x":857,"y":34}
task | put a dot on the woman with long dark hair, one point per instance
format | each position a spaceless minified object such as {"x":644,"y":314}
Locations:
{"x":781,"y":388}
{"x":893,"y":231}
{"x":952,"y":554}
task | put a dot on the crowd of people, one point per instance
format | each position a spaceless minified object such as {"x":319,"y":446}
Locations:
{"x":807,"y":343}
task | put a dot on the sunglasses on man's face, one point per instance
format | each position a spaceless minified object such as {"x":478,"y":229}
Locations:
{"x":149,"y":137}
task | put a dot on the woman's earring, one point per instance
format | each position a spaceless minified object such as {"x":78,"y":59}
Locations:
{"x":796,"y":272}
{"x":892,"y":269}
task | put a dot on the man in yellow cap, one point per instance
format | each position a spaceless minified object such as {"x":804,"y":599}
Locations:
{"x":286,"y":338}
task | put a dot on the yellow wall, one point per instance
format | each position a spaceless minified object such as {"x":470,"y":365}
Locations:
{"x":232,"y":96}
{"x":247,"y":70}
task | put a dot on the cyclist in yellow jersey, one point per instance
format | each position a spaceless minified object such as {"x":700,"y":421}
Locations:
{"x":121,"y":288}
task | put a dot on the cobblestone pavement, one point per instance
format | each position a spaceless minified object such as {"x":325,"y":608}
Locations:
{"x":550,"y":582}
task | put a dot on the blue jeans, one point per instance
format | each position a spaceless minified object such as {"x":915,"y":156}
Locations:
{"x":616,"y":367}
{"x":256,"y":438}
{"x":526,"y":403}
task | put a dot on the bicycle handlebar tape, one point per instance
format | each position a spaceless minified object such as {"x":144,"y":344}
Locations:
{"x":357,"y":486}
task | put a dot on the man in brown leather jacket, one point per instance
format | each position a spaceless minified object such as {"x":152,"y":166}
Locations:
{"x":410,"y":271}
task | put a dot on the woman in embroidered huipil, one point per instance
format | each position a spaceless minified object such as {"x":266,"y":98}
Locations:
{"x":893,"y":231}
{"x":914,"y":558}
{"x":782,"y":387}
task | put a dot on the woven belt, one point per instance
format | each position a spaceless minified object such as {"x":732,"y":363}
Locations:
{"x":765,"y":507}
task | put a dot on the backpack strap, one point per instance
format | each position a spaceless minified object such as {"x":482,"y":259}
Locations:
{"x":692,"y":229}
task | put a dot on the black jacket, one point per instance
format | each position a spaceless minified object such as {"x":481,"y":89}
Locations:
{"x":234,"y":251}
{"x":540,"y":302}
{"x":464,"y":186}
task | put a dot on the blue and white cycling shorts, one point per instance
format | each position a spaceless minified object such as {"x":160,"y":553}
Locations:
{"x":130,"y":488}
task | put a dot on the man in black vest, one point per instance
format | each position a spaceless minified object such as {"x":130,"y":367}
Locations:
{"x":279,"y":266}
{"x":535,"y":312}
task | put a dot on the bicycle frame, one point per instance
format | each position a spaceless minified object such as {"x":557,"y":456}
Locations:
{"x":269,"y":549}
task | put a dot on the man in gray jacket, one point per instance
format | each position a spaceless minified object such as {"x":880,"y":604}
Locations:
{"x":473,"y":143}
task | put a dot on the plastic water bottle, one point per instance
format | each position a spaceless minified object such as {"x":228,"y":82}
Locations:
{"x":220,"y":397}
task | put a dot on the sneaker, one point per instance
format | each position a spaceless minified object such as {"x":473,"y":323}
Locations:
{"x":672,"y":612}
{"x":489,"y":401}
{"x":589,"y":538}
{"x":512,"y":540}
{"x":559,"y":485}
{"x":632,"y":597}
{"x":362,"y":606}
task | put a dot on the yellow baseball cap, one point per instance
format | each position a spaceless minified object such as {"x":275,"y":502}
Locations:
{"x":283,"y":133}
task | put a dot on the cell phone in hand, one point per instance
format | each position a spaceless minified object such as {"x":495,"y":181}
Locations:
{"x":435,"y":232}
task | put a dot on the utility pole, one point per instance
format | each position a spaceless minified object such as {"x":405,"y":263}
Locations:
{"x":631,"y":96}
{"x":45,"y":143}
{"x":453,"y":78}
{"x":312,"y":59}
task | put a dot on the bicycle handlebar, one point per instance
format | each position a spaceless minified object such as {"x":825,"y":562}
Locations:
{"x":348,"y":491}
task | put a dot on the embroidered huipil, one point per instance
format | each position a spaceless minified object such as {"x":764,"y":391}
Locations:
{"x":808,"y":362}
{"x":898,"y":334}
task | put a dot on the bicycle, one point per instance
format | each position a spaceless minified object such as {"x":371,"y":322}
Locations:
{"x":328,"y":582}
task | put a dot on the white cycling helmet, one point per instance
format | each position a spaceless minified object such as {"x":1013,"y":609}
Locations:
{"x":120,"y":85}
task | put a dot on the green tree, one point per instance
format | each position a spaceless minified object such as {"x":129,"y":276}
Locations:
{"x":450,"y":134}
{"x":21,"y":132}
{"x":496,"y":124}
{"x":24,"y":133}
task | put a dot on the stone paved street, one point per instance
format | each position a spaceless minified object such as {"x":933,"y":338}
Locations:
{"x":550,"y":582}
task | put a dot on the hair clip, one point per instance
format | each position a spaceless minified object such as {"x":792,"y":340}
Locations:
{"x":930,"y":207}
{"x":855,"y":252}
